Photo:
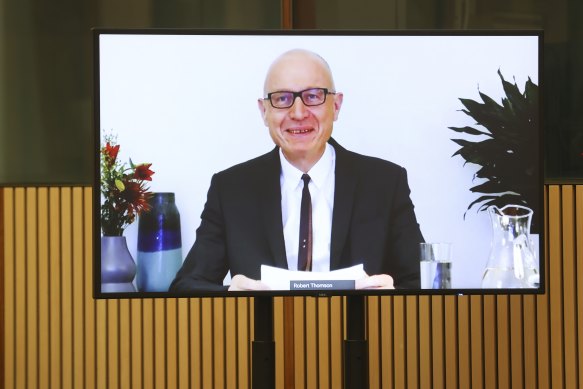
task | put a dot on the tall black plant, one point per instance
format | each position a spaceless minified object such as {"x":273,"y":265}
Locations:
{"x":508,"y":149}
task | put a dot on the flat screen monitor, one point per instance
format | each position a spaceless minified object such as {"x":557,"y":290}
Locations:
{"x":423,"y":151}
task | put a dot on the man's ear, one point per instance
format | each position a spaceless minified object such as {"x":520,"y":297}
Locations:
{"x":262,"y":109}
{"x":338,"y":97}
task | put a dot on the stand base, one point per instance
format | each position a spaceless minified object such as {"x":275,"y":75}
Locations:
{"x":263,"y":359}
{"x":355,"y":364}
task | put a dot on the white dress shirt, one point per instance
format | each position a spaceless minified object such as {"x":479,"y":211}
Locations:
{"x":322,"y":193}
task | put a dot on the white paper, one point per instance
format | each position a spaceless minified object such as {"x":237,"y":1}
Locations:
{"x":278,"y":279}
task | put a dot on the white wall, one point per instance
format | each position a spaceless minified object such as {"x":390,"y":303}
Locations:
{"x":187,"y":104}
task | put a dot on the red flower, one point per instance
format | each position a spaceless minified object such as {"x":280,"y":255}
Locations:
{"x":132,"y":192}
{"x":111,"y":151}
{"x":123,"y":188}
{"x":143,"y":172}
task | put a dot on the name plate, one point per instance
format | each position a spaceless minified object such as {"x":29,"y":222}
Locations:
{"x":321,"y":285}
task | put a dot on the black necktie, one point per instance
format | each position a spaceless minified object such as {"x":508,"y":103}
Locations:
{"x":305,"y":249}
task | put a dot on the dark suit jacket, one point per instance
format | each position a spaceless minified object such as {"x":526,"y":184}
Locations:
{"x":373,"y":222}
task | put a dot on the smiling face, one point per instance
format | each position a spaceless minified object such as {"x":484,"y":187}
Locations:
{"x":300,"y":131}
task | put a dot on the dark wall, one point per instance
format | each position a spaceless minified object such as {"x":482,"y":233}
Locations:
{"x":46,"y":134}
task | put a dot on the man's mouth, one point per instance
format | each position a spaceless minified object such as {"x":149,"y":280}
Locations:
{"x":299,"y":131}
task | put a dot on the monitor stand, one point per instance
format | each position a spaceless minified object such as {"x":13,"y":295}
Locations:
{"x":355,"y":345}
{"x":263,"y":345}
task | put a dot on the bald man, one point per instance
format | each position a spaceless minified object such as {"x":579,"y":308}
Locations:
{"x":360,"y":206}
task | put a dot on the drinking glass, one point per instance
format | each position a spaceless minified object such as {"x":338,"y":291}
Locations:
{"x":436,"y":265}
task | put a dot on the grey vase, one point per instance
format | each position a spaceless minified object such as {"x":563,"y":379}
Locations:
{"x":118,"y":268}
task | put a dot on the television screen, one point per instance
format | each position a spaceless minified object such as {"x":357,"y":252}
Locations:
{"x":238,"y":163}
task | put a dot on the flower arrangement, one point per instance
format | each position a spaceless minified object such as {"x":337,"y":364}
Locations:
{"x":124,"y":190}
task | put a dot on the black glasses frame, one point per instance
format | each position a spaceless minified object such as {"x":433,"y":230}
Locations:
{"x":299,"y":94}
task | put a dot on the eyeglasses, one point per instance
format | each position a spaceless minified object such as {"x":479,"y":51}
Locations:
{"x":310,"y":97}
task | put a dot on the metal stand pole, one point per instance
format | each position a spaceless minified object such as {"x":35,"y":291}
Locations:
{"x":355,"y":345}
{"x":263,"y":345}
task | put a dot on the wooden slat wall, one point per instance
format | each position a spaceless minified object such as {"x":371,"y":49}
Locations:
{"x":56,"y":336}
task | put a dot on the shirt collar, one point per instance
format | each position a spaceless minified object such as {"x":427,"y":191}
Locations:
{"x":319,"y":173}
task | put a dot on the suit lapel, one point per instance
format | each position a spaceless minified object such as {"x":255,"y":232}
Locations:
{"x":270,"y":196}
{"x":344,"y":188}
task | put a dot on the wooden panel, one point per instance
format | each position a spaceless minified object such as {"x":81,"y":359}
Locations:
{"x":112,"y":344}
{"x":88,"y":316}
{"x":579,"y":276}
{"x":218,"y":343}
{"x":299,"y":342}
{"x":529,"y":337}
{"x":148,"y":341}
{"x":451,"y":343}
{"x":568,"y":286}
{"x":159,"y":367}
{"x":464,"y":343}
{"x":9,"y":282}
{"x":387,"y":343}
{"x":555,"y":289}
{"x":286,"y":14}
{"x":77,"y":287}
{"x":124,"y":344}
{"x":516,"y":342}
{"x":336,"y":341}
{"x":542,"y":313}
{"x":56,"y":335}
{"x":399,"y":339}
{"x":490,"y":342}
{"x":20,"y":321}
{"x":66,"y":290}
{"x":231,"y":343}
{"x":136,"y":340}
{"x":477,"y":342}
{"x":412,"y":343}
{"x":56,"y":316}
{"x":243,"y":346}
{"x":183,"y":335}
{"x":425,"y":344}
{"x":438,"y":339}
{"x":100,"y":337}
{"x":311,"y":349}
{"x":196,"y":343}
{"x":323,"y":332}
{"x":373,"y":318}
{"x":43,"y":352}
{"x":503,"y":341}
{"x":171,"y":351}
{"x":207,"y":343}
{"x":31,"y":282}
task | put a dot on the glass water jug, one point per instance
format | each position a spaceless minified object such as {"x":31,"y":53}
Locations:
{"x":512,"y":262}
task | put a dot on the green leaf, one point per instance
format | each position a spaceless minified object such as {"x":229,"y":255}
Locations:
{"x":507,"y":163}
{"x":469,"y":130}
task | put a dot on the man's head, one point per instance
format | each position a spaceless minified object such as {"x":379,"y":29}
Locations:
{"x":302,"y":129}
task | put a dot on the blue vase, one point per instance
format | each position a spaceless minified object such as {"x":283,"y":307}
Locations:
{"x":159,"y":244}
{"x":118,"y":268}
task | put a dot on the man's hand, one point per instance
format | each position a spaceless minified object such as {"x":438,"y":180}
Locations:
{"x":377,"y":281}
{"x":240,"y":282}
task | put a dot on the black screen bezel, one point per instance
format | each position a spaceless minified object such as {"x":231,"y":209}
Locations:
{"x":97,"y":32}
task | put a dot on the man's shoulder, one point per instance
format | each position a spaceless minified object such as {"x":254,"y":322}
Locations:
{"x":252,"y":167}
{"x":365,"y":163}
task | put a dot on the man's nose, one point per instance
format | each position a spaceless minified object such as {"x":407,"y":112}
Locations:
{"x":299,"y":109}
